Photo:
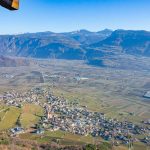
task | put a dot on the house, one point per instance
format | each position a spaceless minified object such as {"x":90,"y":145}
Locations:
{"x":39,"y":131}
{"x":17,"y":130}
{"x":147,"y":94}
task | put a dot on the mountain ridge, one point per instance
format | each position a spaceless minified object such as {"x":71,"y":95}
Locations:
{"x":77,"y":45}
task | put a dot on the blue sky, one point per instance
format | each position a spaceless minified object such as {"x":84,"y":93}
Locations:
{"x":69,"y":15}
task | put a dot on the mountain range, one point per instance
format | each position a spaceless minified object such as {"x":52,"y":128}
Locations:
{"x":78,"y":45}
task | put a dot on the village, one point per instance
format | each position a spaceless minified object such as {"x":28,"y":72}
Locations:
{"x":69,"y":116}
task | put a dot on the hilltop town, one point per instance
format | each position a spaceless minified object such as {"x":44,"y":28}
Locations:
{"x":70,"y":116}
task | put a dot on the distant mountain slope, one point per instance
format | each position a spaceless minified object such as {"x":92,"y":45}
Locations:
{"x":49,"y":45}
{"x":86,"y":37}
{"x":94,"y":47}
{"x":28,"y":45}
{"x":127,"y":41}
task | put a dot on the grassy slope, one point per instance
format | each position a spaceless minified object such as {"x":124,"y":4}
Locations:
{"x":9,"y":118}
{"x":29,"y":115}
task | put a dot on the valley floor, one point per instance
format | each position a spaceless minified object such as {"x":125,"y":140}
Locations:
{"x":119,"y":93}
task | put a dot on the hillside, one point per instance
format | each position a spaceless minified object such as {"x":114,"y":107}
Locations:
{"x":50,"y":45}
{"x":127,"y":41}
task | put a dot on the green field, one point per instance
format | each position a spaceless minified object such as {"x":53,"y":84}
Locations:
{"x":29,"y":115}
{"x":64,"y":138}
{"x":8,"y":117}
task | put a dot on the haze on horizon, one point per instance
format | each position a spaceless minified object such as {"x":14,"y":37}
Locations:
{"x":71,"y":15}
